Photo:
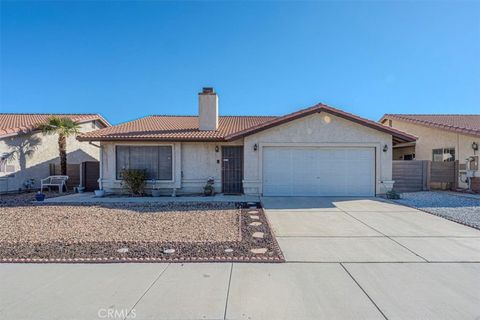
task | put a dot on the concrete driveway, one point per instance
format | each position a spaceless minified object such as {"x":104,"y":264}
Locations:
{"x":366,"y":230}
{"x":347,"y":259}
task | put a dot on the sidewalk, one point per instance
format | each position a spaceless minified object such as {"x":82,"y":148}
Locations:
{"x":89,"y":197}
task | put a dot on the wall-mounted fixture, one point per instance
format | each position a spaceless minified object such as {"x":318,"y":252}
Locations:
{"x":385,"y":148}
{"x":327,"y":119}
{"x":255,"y":147}
{"x":217,"y":149}
{"x":475,"y":146}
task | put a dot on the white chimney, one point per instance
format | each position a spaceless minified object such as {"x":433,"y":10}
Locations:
{"x":207,"y":110}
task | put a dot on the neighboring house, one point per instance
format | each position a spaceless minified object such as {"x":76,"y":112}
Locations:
{"x":439,"y":137}
{"x":318,"y":151}
{"x":26,"y":153}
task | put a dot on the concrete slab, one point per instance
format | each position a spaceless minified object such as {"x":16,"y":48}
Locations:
{"x":422,"y":290}
{"x":89,"y":197}
{"x":296,"y":291}
{"x":414,"y":223}
{"x":187,"y":291}
{"x":78,"y":291}
{"x":369,"y":205}
{"x":18,"y":282}
{"x":444,"y":249}
{"x":299,"y":203}
{"x":369,"y":249}
{"x":310,"y":224}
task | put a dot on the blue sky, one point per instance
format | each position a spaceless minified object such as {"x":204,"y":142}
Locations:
{"x":130,"y":59}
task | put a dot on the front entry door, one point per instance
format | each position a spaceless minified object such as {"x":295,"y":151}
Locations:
{"x":232,"y":169}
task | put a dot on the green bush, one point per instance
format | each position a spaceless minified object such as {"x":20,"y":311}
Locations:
{"x":134,"y":181}
{"x":393,"y":195}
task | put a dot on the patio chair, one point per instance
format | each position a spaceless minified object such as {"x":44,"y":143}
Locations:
{"x":54,"y":181}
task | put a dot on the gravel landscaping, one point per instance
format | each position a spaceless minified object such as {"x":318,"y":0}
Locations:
{"x":458,"y":208}
{"x":135,"y":232}
{"x":18,"y":199}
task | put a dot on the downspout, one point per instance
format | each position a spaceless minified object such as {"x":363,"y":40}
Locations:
{"x":100,"y":178}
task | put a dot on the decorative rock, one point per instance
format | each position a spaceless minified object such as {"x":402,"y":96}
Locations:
{"x":258,"y":235}
{"x":255,"y":224}
{"x":169,"y":251}
{"x":229,"y":250}
{"x":254,"y":217}
{"x":259,"y":250}
{"x":122,"y":250}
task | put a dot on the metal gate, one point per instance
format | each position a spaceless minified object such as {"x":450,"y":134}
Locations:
{"x":90,"y":175}
{"x":232,"y":169}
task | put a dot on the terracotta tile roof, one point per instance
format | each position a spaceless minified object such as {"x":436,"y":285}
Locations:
{"x":461,"y":123}
{"x":185,"y":128}
{"x":174,"y":128}
{"x":17,"y":123}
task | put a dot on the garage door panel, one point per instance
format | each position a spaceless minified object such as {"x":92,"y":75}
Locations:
{"x":318,"y":171}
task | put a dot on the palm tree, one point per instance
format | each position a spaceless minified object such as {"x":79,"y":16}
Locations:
{"x":64,"y":127}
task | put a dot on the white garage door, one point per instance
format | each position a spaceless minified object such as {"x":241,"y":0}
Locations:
{"x":315,"y":171}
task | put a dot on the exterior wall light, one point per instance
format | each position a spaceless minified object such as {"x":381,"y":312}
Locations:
{"x":217,"y":149}
{"x":385,"y":148}
{"x":255,"y":147}
{"x":475,"y":146}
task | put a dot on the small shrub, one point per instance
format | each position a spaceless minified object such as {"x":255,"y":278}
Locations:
{"x":209,"y":189}
{"x":134,"y":181}
{"x":393,"y":195}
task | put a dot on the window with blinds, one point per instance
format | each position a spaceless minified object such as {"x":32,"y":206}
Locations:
{"x":155,"y":160}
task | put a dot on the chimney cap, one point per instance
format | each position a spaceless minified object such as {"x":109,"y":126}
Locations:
{"x":208,"y":90}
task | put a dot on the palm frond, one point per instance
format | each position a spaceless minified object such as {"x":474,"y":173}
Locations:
{"x":62,"y":126}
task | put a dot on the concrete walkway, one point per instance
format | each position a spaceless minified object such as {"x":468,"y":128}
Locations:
{"x":89,"y":197}
{"x":347,"y":259}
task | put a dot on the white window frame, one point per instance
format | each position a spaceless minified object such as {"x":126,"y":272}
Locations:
{"x":443,"y":153}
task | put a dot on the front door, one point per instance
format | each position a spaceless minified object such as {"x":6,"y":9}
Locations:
{"x":232,"y":169}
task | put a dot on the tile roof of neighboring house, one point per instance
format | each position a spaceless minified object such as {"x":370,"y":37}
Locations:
{"x":185,"y":128}
{"x":461,"y":123}
{"x":17,"y":123}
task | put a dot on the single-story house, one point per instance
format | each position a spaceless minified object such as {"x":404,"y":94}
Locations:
{"x":440,"y":137}
{"x":26,"y":153}
{"x":318,"y":151}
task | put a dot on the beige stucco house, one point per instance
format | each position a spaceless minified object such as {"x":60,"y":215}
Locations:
{"x":439,"y":138}
{"x":318,"y":151}
{"x":26,"y":153}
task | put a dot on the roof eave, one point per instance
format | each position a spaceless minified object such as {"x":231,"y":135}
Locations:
{"x":140,"y":139}
{"x":399,"y":136}
{"x":30,"y":129}
{"x":429,"y":124}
